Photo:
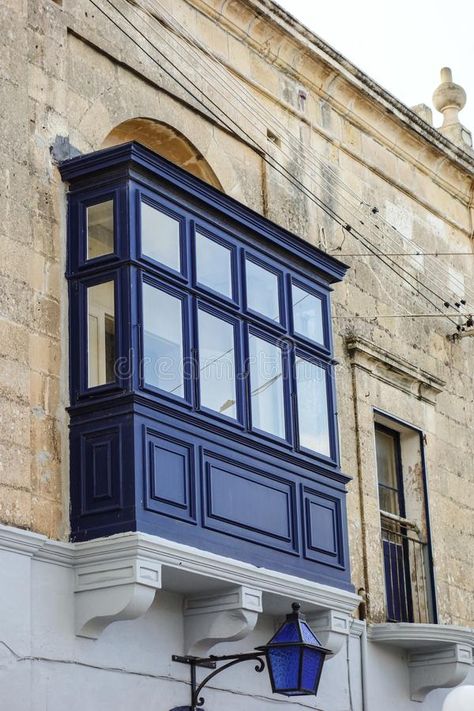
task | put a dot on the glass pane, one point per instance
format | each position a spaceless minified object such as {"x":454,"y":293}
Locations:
{"x":266,"y":383}
{"x":160,"y":237}
{"x":101,"y":334}
{"x":100,"y":229}
{"x":284,"y":664}
{"x":385,"y":445}
{"x":262,"y":291}
{"x":162,"y":340}
{"x":313,"y":418}
{"x":307,"y":314}
{"x":217,"y":364}
{"x":311,"y":669}
{"x":213,"y":265}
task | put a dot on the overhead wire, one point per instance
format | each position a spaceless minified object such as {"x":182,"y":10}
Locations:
{"x":169,"y":20}
{"x":269,"y":159}
{"x":347,"y":111}
{"x":417,"y":282}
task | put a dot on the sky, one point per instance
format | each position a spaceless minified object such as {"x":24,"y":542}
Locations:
{"x":402,"y":45}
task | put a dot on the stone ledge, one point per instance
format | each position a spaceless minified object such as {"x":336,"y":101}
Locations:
{"x":412,"y":636}
{"x":193,"y":571}
{"x":439,"y":656}
{"x":394,"y":370}
{"x":117,"y":578}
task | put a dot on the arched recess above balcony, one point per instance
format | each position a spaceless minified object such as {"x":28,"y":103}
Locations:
{"x":167,"y":141}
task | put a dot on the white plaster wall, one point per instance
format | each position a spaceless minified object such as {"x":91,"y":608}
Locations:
{"x":44,"y":666}
{"x":389,"y":683}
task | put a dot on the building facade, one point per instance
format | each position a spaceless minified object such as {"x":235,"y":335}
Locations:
{"x":236,"y":304}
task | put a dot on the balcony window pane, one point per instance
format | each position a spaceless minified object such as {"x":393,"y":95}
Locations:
{"x":160,"y":237}
{"x":266,"y":386}
{"x":213,"y":265}
{"x":262,"y":291}
{"x":162,"y":340}
{"x":385,"y":444}
{"x":217,"y":364}
{"x":101,"y":334}
{"x":313,"y":421}
{"x":100,"y":229}
{"x":307,"y":314}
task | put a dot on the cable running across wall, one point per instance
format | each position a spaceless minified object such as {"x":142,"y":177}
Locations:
{"x":327,"y":166}
{"x":229,"y":79}
{"x":397,"y":269}
{"x":270,"y":160}
{"x":458,"y":300}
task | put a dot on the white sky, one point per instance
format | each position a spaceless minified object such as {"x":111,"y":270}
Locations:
{"x":402,"y":45}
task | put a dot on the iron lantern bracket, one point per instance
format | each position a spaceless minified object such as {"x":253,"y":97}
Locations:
{"x":230,"y":660}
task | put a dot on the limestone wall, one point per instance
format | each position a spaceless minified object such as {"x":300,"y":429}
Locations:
{"x":69,"y":77}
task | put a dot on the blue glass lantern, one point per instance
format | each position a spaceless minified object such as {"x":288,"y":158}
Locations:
{"x":295,"y":657}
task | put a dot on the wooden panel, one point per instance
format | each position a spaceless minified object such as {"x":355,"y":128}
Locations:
{"x":323,"y":527}
{"x":245,"y":503}
{"x":169,"y":475}
{"x":101,"y":471}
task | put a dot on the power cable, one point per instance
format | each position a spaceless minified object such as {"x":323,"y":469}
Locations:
{"x":347,"y":111}
{"x":170,"y":22}
{"x":268,"y":159}
{"x":179,"y":29}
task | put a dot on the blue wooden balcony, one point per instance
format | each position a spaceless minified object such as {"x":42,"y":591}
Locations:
{"x":203,"y":403}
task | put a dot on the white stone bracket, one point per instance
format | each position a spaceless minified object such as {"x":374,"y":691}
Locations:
{"x":113,"y":590}
{"x":222,"y":617}
{"x":331,"y":627}
{"x":438,"y":668}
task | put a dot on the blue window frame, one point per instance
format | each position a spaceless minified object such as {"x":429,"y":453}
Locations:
{"x":222,"y":391}
{"x":256,"y":297}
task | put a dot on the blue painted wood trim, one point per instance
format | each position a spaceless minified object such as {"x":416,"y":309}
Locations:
{"x":133,"y":155}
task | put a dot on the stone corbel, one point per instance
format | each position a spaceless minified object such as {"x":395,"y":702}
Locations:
{"x":438,"y":668}
{"x":113,"y":590}
{"x":332,"y":628}
{"x":223,"y":617}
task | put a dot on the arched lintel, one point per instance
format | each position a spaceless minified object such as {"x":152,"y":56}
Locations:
{"x":165,"y":140}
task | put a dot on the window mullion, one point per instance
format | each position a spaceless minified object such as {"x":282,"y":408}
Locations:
{"x":293,"y":399}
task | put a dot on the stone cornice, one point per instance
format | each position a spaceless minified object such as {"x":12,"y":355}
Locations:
{"x":142,"y":551}
{"x":18,"y":540}
{"x":226,"y":571}
{"x":438,"y":656}
{"x":394,"y":370}
{"x":407,"y":635}
{"x":295,"y":40}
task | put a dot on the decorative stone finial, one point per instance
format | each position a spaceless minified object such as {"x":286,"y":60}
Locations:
{"x":449,"y":98}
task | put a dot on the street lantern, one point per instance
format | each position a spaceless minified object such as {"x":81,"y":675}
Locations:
{"x":294,"y":658}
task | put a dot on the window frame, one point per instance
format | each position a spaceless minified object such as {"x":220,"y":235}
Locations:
{"x":196,"y":226}
{"x":288,"y":440}
{"x":187,"y":343}
{"x":82,"y":344}
{"x":201,"y":304}
{"x":169,"y":208}
{"x":299,"y":351}
{"x":398,"y":425}
{"x":252,"y":256}
{"x":243,"y":245}
{"x":77,"y":256}
{"x":326,"y":348}
{"x":395,"y":435}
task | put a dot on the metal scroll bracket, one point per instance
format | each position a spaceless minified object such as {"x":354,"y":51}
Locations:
{"x":197,"y":701}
